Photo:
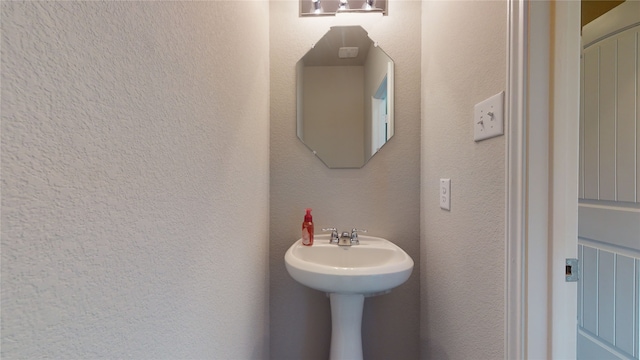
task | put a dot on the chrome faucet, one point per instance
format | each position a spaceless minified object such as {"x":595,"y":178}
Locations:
{"x":334,"y":235}
{"x":354,"y":235}
{"x":346,"y":238}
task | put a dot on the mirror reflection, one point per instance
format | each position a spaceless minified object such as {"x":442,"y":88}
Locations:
{"x":345,"y":98}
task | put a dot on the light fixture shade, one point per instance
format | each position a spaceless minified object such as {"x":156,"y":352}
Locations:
{"x":369,"y":4}
{"x":316,"y":7}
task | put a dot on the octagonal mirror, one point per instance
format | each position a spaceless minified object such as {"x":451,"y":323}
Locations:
{"x":345,"y":98}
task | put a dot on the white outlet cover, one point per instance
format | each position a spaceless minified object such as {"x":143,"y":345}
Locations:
{"x":445,"y":194}
{"x":488,"y":118}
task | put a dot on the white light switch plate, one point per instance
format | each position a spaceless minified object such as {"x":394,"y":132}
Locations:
{"x":445,"y":194}
{"x":488,"y":118}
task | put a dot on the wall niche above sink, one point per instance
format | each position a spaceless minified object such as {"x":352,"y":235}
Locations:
{"x":344,"y":90}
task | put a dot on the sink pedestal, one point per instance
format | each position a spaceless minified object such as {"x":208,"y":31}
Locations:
{"x":346,"y":326}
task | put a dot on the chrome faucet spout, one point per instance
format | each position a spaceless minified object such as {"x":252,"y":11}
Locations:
{"x":345,"y":239}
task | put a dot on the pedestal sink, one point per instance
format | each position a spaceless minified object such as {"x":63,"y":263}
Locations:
{"x":348,"y":274}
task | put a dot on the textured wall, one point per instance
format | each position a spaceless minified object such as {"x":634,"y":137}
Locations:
{"x":135,"y":180}
{"x":382,"y":197}
{"x":462,"y":251}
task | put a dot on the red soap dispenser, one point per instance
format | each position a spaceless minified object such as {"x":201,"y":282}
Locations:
{"x":307,"y":229}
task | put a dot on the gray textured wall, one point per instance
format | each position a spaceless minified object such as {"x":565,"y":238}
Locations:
{"x":462,"y":250}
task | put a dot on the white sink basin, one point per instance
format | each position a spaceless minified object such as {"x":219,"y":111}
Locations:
{"x":376,"y":265}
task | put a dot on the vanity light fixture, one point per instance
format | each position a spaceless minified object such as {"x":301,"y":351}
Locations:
{"x":333,"y":7}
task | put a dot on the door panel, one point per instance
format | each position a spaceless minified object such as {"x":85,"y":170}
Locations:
{"x":609,"y":211}
{"x":624,"y":303}
{"x":608,"y":304}
{"x":591,"y":65}
{"x":626,"y":118}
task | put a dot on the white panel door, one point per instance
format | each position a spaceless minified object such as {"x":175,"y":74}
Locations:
{"x":609,"y":207}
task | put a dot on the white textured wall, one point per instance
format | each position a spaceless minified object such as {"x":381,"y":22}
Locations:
{"x":135,"y":180}
{"x":462,"y":251}
{"x":382,"y":197}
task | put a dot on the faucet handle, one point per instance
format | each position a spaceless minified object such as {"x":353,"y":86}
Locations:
{"x":334,"y":234}
{"x":354,"y":235}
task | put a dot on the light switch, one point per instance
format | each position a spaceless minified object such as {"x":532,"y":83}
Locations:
{"x":445,"y":194}
{"x":488,"y":118}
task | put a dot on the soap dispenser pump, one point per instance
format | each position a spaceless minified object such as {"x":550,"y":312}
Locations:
{"x":307,"y":229}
